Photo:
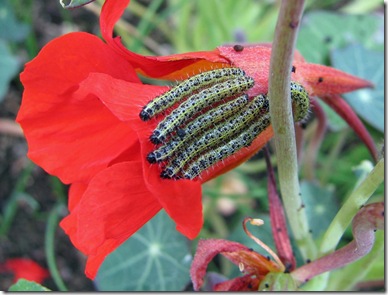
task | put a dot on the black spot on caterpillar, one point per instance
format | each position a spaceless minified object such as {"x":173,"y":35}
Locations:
{"x":213,"y":116}
{"x":185,"y":88}
{"x":196,"y":103}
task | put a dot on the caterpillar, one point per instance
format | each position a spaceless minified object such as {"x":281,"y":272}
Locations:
{"x":213,"y":116}
{"x":228,"y":137}
{"x":301,"y":105}
{"x":185,"y":88}
{"x":300,"y":101}
{"x":197,"y":102}
{"x":210,"y":158}
{"x":221,"y":132}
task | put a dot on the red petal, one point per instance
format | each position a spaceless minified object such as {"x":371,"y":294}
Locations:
{"x":342,"y":108}
{"x":100,"y":222}
{"x":244,"y":283}
{"x":181,"y":199}
{"x":110,"y":14}
{"x":124,"y":99}
{"x":24,"y":268}
{"x":206,"y":250}
{"x":63,"y":131}
{"x":251,"y":261}
{"x":166,"y":67}
{"x":76,"y":191}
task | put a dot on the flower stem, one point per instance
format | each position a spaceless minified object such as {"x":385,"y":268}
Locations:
{"x":357,"y":199}
{"x":283,"y":124}
{"x":52,"y":225}
{"x":368,"y":219}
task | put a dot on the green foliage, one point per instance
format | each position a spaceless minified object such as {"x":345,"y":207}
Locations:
{"x":364,"y":63}
{"x":322,"y":32}
{"x":320,"y":41}
{"x":69,"y":4}
{"x":157,"y":257}
{"x":321,"y":206}
{"x":9,"y":66}
{"x":278,"y":282}
{"x":10,"y":28}
{"x":154,"y":258}
{"x":23,"y":285}
{"x":203,"y":24}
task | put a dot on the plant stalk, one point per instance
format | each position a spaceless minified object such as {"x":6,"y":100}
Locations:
{"x":283,"y":124}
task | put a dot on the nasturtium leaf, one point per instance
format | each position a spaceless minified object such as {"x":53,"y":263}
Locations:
{"x":320,"y":204}
{"x":70,"y":4}
{"x":156,"y":258}
{"x":322,"y":32}
{"x":10,"y":28}
{"x":368,"y":64}
{"x":23,"y":285}
{"x":9,"y":66}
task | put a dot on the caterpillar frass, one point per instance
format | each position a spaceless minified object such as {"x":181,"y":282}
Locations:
{"x":185,"y":88}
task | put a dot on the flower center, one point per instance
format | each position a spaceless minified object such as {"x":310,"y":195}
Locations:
{"x":213,"y":118}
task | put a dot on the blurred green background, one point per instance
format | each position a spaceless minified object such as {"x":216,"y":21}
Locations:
{"x":348,"y":35}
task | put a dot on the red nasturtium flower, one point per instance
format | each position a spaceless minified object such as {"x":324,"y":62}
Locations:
{"x":253,"y":265}
{"x":24,"y":268}
{"x":80,"y":115}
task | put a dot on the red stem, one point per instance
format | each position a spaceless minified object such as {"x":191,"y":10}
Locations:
{"x":278,"y":219}
{"x":365,"y":223}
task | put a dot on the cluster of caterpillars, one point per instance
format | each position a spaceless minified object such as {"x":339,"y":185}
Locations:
{"x":212,"y":118}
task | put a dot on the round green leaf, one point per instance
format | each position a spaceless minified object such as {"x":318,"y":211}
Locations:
{"x":368,"y":64}
{"x":322,"y":32}
{"x":23,"y":285}
{"x":156,"y":258}
{"x":321,"y":206}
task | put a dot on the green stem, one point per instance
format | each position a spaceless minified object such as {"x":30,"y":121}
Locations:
{"x":52,"y":225}
{"x":352,"y":205}
{"x":283,"y":124}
